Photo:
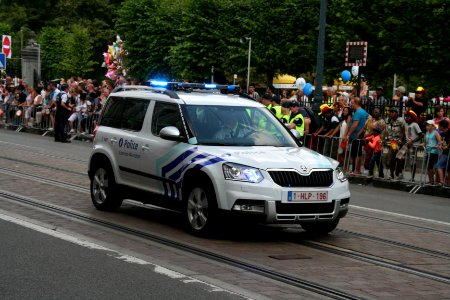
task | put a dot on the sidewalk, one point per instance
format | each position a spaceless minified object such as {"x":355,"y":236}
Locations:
{"x":401,"y":185}
{"x":43,"y":132}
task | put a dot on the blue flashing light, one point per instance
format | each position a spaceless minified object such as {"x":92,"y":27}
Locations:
{"x":158,"y":83}
{"x":231,"y":87}
{"x":210,"y":86}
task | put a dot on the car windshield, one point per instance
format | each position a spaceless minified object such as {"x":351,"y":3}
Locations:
{"x":236,"y":126}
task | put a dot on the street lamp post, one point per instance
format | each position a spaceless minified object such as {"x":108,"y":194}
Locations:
{"x":34,"y":44}
{"x":243,"y":40}
{"x":39,"y":62}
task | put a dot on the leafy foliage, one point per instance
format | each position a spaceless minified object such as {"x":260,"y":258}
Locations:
{"x":184,"y":39}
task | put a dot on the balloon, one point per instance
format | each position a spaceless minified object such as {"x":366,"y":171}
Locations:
{"x":346,"y":75}
{"x":307,"y":89}
{"x":19,"y":113}
{"x":300,"y":82}
{"x":355,"y":70}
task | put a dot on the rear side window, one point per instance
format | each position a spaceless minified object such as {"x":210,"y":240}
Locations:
{"x":166,"y":114}
{"x":124,"y":113}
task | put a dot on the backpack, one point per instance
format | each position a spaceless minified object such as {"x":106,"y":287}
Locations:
{"x":315,"y":121}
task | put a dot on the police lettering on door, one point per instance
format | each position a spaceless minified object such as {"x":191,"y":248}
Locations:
{"x":128,"y":145}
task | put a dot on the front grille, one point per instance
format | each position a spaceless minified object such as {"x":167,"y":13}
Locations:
{"x":322,"y":178}
{"x":304,"y":208}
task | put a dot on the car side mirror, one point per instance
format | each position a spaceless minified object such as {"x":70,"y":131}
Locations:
{"x":171,"y":133}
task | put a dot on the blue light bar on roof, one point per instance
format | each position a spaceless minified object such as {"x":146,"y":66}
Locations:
{"x":210,"y":86}
{"x":158,"y":83}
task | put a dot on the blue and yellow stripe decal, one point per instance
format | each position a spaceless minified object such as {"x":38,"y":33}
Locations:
{"x":177,"y":161}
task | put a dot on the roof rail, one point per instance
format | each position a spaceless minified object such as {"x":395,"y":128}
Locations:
{"x":175,"y":85}
{"x":159,"y":90}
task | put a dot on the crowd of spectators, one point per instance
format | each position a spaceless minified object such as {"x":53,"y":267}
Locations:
{"x":35,"y":107}
{"x":363,"y":133}
{"x":369,"y":131}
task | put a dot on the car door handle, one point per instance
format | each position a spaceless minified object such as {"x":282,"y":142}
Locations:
{"x":145,"y":148}
{"x":113,"y":140}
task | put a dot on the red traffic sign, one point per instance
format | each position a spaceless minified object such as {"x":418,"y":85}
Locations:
{"x":356,"y":54}
{"x":6,"y":45}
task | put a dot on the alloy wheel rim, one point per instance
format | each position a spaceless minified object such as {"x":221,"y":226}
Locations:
{"x":100,"y":185}
{"x":197,"y":209}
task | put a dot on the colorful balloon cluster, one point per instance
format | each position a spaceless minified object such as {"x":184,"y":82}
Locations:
{"x":306,"y":87}
{"x":113,"y":59}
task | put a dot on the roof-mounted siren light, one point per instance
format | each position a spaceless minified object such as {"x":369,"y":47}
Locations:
{"x":158,"y":83}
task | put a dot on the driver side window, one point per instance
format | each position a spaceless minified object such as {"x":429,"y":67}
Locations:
{"x":166,"y":114}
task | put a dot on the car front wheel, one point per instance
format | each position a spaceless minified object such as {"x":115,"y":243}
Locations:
{"x":201,"y":209}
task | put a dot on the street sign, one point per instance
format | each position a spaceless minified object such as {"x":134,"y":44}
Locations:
{"x":2,"y":61}
{"x":356,"y":54}
{"x":6,"y":45}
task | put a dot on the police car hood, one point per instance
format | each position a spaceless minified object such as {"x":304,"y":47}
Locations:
{"x":266,"y":157}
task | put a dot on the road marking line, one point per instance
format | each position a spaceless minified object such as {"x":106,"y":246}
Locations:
{"x":118,"y":255}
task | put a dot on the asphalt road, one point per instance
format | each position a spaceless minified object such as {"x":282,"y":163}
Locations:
{"x":39,"y":263}
{"x":45,"y":264}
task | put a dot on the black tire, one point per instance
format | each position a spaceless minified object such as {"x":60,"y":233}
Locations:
{"x":320,"y":228}
{"x":201,"y":214}
{"x":104,"y":192}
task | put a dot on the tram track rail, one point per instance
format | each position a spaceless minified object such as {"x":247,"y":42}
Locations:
{"x":377,"y":261}
{"x":38,"y":151}
{"x":440,"y":254}
{"x":271,"y":274}
{"x":85,"y":190}
{"x":217,"y":257}
{"x":42,"y":165}
{"x":383,"y":220}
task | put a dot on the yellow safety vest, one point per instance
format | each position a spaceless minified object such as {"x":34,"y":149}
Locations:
{"x":299,"y":128}
{"x":278,"y":112}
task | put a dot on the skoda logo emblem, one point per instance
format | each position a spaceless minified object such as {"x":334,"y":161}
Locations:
{"x":303,"y":169}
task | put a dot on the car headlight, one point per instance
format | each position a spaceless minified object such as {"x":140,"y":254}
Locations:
{"x":241,"y":173}
{"x":340,"y":174}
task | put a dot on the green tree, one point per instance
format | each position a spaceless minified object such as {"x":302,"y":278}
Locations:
{"x":51,"y":40}
{"x":77,"y":48}
{"x":147,"y":29}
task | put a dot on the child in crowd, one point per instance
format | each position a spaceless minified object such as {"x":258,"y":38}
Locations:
{"x":444,"y":162}
{"x":413,"y":139}
{"x":375,"y":143}
{"x":431,"y":145}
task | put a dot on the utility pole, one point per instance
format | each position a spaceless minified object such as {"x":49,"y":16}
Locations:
{"x":318,"y":93}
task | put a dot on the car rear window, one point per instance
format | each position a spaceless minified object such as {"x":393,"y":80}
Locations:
{"x":124,"y":113}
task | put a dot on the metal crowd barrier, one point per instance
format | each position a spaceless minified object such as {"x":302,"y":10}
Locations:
{"x":414,"y":166}
{"x":43,"y":120}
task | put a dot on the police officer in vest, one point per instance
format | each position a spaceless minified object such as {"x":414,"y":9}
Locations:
{"x":296,"y":120}
{"x":272,"y":102}
{"x":63,"y":111}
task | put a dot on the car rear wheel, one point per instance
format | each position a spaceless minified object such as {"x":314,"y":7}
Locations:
{"x":320,"y":228}
{"x":104,"y":192}
{"x":201,"y":209}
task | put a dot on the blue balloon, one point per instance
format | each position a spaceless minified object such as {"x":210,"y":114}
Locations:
{"x":345,"y":75}
{"x":307,"y":89}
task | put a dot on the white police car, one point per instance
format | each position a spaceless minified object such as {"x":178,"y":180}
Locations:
{"x":208,"y":155}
